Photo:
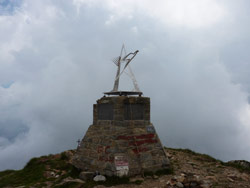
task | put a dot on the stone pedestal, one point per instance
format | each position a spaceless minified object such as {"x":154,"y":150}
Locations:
{"x":122,"y":140}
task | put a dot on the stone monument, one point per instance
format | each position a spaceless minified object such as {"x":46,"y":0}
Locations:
{"x":121,"y":141}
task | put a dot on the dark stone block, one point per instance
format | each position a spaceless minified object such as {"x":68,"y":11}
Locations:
{"x":133,"y":111}
{"x":119,"y":117}
{"x":86,"y":175}
{"x":105,"y":111}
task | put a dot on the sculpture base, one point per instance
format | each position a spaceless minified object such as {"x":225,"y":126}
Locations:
{"x":124,"y":93}
{"x":115,"y":150}
{"x":122,"y":140}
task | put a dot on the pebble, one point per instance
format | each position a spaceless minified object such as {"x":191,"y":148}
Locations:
{"x":230,"y":179}
{"x":99,"y":178}
{"x":205,"y":186}
{"x":155,"y":177}
{"x":180,"y":179}
{"x":179,"y":184}
{"x":136,"y":179}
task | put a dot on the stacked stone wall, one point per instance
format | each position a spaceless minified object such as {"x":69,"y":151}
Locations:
{"x":118,"y":145}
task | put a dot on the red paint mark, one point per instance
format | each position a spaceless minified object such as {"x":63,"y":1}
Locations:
{"x":125,"y":137}
{"x":103,"y":149}
{"x":145,"y":136}
{"x":107,"y":147}
{"x":100,"y":149}
{"x":142,"y":136}
{"x":140,"y":142}
{"x":139,"y":150}
{"x":106,"y":158}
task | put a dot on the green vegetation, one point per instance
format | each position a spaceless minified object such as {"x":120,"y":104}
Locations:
{"x":35,"y":172}
{"x":164,"y":172}
{"x":207,"y":158}
{"x":53,"y":169}
{"x":170,"y":170}
{"x":237,"y":166}
{"x":30,"y":174}
{"x":6,"y":172}
{"x":68,"y":185}
{"x":64,"y":156}
{"x":198,"y":156}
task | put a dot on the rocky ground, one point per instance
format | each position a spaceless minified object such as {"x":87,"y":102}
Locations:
{"x":196,"y":170}
{"x":190,"y":169}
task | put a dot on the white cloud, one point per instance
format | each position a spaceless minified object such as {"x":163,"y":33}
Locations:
{"x":134,"y":29}
{"x":191,"y":14}
{"x":56,"y":55}
{"x":173,"y":13}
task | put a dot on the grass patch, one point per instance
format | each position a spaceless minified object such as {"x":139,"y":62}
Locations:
{"x":6,"y":173}
{"x":197,"y":156}
{"x":68,"y":185}
{"x":206,"y":158}
{"x":167,"y":171}
{"x":149,"y":173}
{"x":74,"y":172}
{"x":138,"y":182}
{"x":161,"y":172}
{"x":237,"y":166}
{"x":64,"y":156}
{"x":30,"y":174}
{"x":33,"y":172}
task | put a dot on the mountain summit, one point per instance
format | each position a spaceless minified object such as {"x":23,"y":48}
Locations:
{"x":188,"y":170}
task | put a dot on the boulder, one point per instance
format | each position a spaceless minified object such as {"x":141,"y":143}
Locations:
{"x":86,"y":175}
{"x":99,"y":178}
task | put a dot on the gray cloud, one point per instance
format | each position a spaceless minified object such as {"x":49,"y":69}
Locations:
{"x":55,"y":61}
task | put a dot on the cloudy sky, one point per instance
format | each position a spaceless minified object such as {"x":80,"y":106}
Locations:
{"x":194,"y":63}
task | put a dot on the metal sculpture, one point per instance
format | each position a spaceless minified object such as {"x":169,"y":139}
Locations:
{"x":124,"y":58}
